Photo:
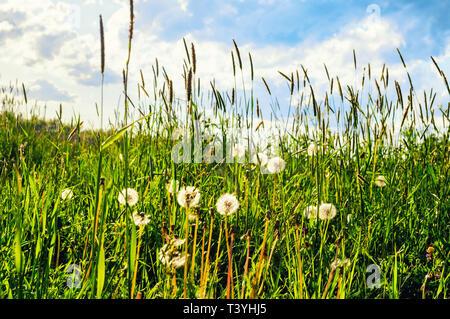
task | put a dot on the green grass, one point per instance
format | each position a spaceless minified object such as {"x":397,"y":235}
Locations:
{"x":276,"y":251}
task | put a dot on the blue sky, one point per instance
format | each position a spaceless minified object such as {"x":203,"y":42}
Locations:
{"x":53,"y":46}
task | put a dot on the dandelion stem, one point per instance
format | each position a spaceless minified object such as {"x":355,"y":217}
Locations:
{"x":186,"y":228}
{"x":133,"y":284}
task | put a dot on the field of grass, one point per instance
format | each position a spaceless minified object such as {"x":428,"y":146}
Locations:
{"x":65,"y":231}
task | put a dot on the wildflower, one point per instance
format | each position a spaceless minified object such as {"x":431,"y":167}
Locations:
{"x":310,"y":212}
{"x":260,"y":158}
{"x":276,"y":165}
{"x":140,"y":219}
{"x":327,"y":211}
{"x":188,"y":196}
{"x":66,"y":194}
{"x":121,"y":157}
{"x":171,"y":187}
{"x":380,"y":181}
{"x":312,"y":149}
{"x":227,"y":204}
{"x":128,"y":196}
{"x":430,"y":251}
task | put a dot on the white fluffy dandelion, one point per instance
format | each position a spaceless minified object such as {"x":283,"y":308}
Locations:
{"x":327,"y":211}
{"x":188,"y":196}
{"x":227,"y":204}
{"x":129,"y":196}
{"x":312,"y":149}
{"x":66,"y":194}
{"x":380,"y":181}
{"x":276,"y":165}
{"x":173,"y":186}
{"x":140,"y":219}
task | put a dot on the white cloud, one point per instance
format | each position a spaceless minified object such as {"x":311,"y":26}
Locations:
{"x":50,"y":48}
{"x":183,"y":5}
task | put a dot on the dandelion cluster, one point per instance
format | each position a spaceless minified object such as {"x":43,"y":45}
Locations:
{"x":238,"y":151}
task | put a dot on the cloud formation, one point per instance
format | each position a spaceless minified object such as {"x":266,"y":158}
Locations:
{"x":56,"y":44}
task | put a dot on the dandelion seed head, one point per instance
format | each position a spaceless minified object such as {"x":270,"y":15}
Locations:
{"x":227,"y":204}
{"x":276,"y":165}
{"x":129,"y":196}
{"x":312,"y":149}
{"x":66,"y":194}
{"x":380,"y":181}
{"x":140,"y":219}
{"x":188,"y":196}
{"x":327,"y":211}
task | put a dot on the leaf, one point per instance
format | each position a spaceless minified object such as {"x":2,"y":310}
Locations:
{"x":18,"y":252}
{"x":101,"y":272}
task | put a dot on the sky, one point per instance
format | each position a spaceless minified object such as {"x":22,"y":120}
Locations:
{"x":53,"y":47}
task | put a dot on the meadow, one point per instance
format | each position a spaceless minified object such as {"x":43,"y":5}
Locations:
{"x":349,"y":199}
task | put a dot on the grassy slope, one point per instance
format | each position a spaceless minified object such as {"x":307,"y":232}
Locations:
{"x":391,"y":226}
